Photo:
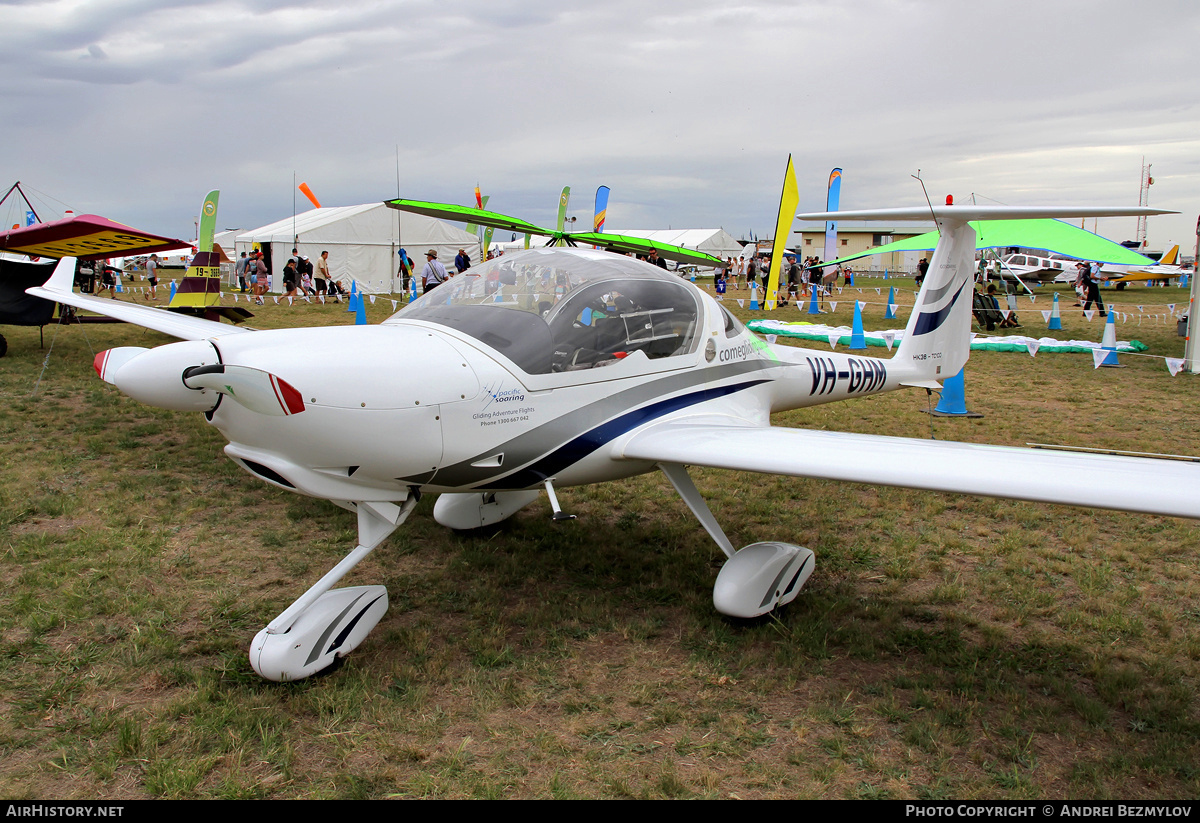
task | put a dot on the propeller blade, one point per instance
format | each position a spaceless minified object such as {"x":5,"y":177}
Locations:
{"x":256,"y":390}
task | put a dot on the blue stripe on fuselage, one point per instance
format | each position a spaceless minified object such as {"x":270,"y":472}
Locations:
{"x":575,"y":450}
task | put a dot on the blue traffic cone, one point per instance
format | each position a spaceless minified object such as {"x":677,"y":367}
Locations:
{"x":885,"y":274}
{"x":1109,"y":341}
{"x":360,"y":312}
{"x":891,"y":313}
{"x":953,"y":402}
{"x":753,"y":297}
{"x":353,"y":295}
{"x":814,"y":306}
{"x":1183,"y":280}
{"x":1055,"y":316}
{"x":851,"y":277}
{"x":858,"y":340}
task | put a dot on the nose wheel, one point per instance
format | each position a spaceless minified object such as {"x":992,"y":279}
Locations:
{"x":325,"y":623}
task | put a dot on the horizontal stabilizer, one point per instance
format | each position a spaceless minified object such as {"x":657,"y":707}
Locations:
{"x":971,"y":212}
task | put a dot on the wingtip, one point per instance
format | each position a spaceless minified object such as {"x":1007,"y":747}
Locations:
{"x":63,"y":277}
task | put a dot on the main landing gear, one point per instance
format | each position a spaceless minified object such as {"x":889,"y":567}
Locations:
{"x":756,"y":578}
{"x":326,"y":623}
{"x":752,"y":582}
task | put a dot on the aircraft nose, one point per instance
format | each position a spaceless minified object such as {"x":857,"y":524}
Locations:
{"x":109,"y":361}
{"x":155,"y":376}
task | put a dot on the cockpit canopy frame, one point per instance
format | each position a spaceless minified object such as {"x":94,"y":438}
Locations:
{"x":563,"y":309}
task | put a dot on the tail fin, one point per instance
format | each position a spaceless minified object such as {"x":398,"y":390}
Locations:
{"x":201,"y":284}
{"x":206,"y":263}
{"x":1171,"y":258}
{"x":937,"y":340}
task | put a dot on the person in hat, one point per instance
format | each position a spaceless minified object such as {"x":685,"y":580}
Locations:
{"x":434,"y":273}
{"x":462,"y":261}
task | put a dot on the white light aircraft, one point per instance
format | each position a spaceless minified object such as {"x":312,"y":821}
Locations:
{"x":563,"y":366}
{"x":1037,"y":269}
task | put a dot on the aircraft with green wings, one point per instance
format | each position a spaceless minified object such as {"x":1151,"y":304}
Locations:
{"x":618,"y":243}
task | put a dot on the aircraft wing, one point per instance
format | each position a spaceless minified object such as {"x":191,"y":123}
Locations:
{"x":1142,"y":276}
{"x":185,"y":327}
{"x":468,"y":214}
{"x":1153,"y":486}
{"x":638,"y":245}
{"x":612,"y":242}
{"x":84,"y":235}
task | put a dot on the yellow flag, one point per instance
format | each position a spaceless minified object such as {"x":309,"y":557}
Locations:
{"x":788,"y":201}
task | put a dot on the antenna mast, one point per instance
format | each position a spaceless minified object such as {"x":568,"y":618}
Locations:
{"x":1143,"y":200}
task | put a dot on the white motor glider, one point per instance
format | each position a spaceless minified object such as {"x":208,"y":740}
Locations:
{"x":562,"y":366}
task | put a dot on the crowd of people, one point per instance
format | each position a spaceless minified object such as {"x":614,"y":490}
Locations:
{"x":301,"y":277}
{"x":988,"y":314}
{"x":798,"y":280}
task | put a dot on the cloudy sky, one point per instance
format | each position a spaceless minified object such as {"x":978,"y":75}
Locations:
{"x":687,"y":109}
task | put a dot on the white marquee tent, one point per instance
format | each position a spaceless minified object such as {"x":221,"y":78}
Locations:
{"x":362,"y":242}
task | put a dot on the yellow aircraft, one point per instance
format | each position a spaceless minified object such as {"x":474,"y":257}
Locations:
{"x":1166,"y":268}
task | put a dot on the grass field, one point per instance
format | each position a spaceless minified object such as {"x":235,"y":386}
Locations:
{"x":945,"y":647}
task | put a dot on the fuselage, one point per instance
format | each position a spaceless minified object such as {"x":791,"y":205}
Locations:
{"x":440,"y":405}
{"x":1037,"y":268}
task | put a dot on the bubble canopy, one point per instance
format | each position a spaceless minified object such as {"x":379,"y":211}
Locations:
{"x":563,"y":309}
